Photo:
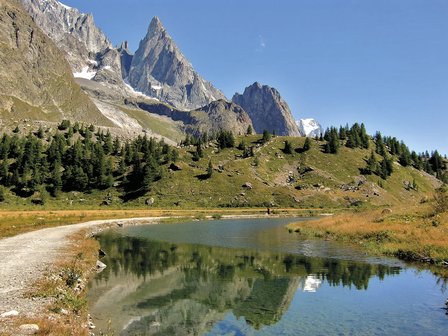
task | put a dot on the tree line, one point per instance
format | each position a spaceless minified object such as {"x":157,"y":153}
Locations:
{"x":80,"y":158}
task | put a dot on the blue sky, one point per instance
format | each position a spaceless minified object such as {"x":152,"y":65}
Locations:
{"x":381,"y":62}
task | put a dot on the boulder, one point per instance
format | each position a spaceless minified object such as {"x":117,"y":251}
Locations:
{"x":29,"y":329}
{"x":175,"y":167}
{"x":10,"y":313}
{"x":100,"y":266}
{"x":101,"y":253}
{"x":247,"y":185}
{"x":386,"y":211}
{"x":149,"y":201}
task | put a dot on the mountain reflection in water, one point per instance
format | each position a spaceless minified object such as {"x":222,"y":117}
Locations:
{"x":158,"y":288}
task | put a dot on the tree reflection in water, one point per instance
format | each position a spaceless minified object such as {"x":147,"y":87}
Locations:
{"x":152,"y":287}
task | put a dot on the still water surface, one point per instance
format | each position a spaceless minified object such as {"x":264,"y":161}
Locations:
{"x":251,"y":277}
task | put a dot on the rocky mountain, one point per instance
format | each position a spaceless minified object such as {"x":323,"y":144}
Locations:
{"x":159,"y":69}
{"x":221,"y":114}
{"x":309,"y":127}
{"x":125,"y":59}
{"x":267,"y":109}
{"x":37,"y":82}
{"x":85,"y":46}
{"x":216,"y":116}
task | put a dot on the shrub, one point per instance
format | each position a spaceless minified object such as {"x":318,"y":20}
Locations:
{"x":441,"y":199}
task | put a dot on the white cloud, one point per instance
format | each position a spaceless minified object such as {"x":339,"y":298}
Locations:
{"x":261,"y":44}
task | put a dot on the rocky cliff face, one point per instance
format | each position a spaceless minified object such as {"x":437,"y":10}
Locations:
{"x":216,"y":116}
{"x":221,"y":114}
{"x":160,"y":70}
{"x":267,"y":109}
{"x":85,"y":46}
{"x":37,"y":82}
{"x":125,"y":59}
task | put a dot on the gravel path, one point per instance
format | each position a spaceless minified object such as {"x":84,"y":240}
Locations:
{"x":25,"y":258}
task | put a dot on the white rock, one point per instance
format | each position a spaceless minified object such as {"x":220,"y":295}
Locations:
{"x":100,"y":266}
{"x":29,"y":329}
{"x":10,"y":313}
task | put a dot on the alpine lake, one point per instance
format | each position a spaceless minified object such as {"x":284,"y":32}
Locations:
{"x":252,"y":277}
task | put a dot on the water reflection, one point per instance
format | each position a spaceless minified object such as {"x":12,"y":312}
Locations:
{"x":159,"y":288}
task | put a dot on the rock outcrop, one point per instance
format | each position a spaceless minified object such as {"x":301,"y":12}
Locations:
{"x":267,"y":109}
{"x":221,"y":115}
{"x":37,"y":82}
{"x":85,"y":46}
{"x":125,"y":59}
{"x":159,"y":69}
{"x":213,"y":117}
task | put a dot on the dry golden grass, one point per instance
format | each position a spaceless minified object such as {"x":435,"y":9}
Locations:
{"x":412,"y":233}
{"x":16,"y":222}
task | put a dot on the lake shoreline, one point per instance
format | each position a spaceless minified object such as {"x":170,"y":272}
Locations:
{"x":66,"y":247}
{"x":412,"y":234}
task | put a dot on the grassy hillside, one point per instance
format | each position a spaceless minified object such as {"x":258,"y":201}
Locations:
{"x":311,"y":179}
{"x":271,"y":178}
{"x":37,"y":82}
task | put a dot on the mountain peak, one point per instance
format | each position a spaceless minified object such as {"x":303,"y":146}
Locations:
{"x":267,"y":109}
{"x":160,"y":70}
{"x":156,"y":26}
{"x":309,"y":127}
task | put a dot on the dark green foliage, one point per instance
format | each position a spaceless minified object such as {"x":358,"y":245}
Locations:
{"x":332,"y":137}
{"x":356,"y":136}
{"x":198,"y":153}
{"x":248,"y":152}
{"x":242,"y":145}
{"x":225,"y":139}
{"x":31,"y":165}
{"x":372,"y":165}
{"x":379,"y":144}
{"x":40,"y":133}
{"x":209,"y":169}
{"x":249,"y":130}
{"x":343,"y":132}
{"x":307,"y":144}
{"x":386,"y":168}
{"x":65,"y":124}
{"x":288,"y":147}
{"x":266,"y":136}
{"x":2,"y":194}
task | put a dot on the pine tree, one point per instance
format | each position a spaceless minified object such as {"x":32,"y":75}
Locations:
{"x":266,"y":137}
{"x":332,"y":145}
{"x":40,"y":133}
{"x":372,"y":165}
{"x":249,"y":130}
{"x":56,"y":179}
{"x":4,"y":171}
{"x":307,"y":144}
{"x":288,"y":147}
{"x":364,"y":138}
{"x":209,"y":169}
{"x":379,"y":145}
{"x":242,"y":145}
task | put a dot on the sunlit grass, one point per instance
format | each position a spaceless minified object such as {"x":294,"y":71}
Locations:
{"x":413,"y":233}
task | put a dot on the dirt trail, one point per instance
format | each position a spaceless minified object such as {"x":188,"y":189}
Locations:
{"x":25,"y":258}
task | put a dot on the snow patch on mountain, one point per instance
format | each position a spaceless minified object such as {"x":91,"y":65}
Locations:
{"x":65,"y":6}
{"x":309,"y":127}
{"x":85,"y":73}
